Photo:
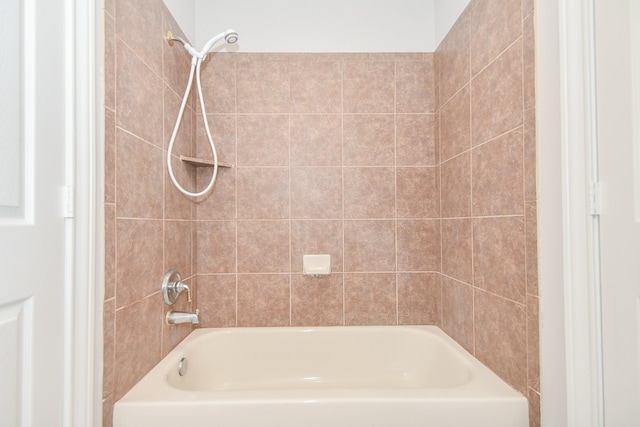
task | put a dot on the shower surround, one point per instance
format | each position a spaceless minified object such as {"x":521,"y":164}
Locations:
{"x":416,"y":172}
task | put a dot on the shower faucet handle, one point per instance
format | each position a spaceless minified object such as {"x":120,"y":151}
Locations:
{"x":172,"y":285}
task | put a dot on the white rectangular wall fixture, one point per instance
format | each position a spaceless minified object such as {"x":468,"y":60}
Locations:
{"x":316,"y":265}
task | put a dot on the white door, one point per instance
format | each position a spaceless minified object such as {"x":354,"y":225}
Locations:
{"x":619,"y":148}
{"x":32,"y":224}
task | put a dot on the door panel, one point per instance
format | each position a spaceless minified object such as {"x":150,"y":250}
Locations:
{"x":32,"y":228}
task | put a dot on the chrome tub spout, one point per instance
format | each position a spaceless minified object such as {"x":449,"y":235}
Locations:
{"x":177,"y":317}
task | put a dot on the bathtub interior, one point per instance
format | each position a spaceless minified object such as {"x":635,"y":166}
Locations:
{"x":295,"y":358}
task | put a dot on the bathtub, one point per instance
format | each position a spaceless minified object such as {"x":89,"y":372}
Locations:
{"x":392,"y":376}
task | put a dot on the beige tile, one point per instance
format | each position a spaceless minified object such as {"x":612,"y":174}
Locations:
{"x":316,"y":237}
{"x":177,"y":247}
{"x":263,"y":300}
{"x":220,"y":203}
{"x":139,"y":25}
{"x":176,"y":204}
{"x":183,"y":144}
{"x":457,"y":249}
{"x":368,"y":87}
{"x":453,"y":59}
{"x":457,"y":312}
{"x":108,"y":347}
{"x":531,"y":251}
{"x":369,"y":193}
{"x":370,"y":299}
{"x":138,"y":191}
{"x":263,"y":246}
{"x":499,"y":256}
{"x":220,"y":92}
{"x":110,"y":7}
{"x":534,"y":408}
{"x":216,"y":247}
{"x":501,"y":338}
{"x":496,"y":96}
{"x":530,"y":168}
{"x":419,"y":296}
{"x":418,"y":245}
{"x":533,"y":342}
{"x":527,"y":7}
{"x":263,"y":86}
{"x":109,"y":62}
{"x":455,"y":124}
{"x":417,"y":193}
{"x":109,"y":156}
{"x":456,"y":187}
{"x":415,"y":86}
{"x":109,"y":251}
{"x":369,"y":246}
{"x":139,"y":259}
{"x":437,"y":138}
{"x":263,"y":193}
{"x":496,"y":24}
{"x":497,"y":176}
{"x":316,"y":86}
{"x":316,"y":193}
{"x":263,"y":140}
{"x":138,"y":341}
{"x":369,"y":140}
{"x":223,"y":133}
{"x":529,"y":62}
{"x":176,"y":61}
{"x":107,"y":412}
{"x":139,"y":107}
{"x":415,"y":140}
{"x":316,"y":140}
{"x":316,"y":301}
{"x":217,"y":300}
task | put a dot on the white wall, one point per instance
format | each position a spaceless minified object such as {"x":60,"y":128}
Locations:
{"x":320,"y":26}
{"x":184,"y":12}
{"x":446,"y":13}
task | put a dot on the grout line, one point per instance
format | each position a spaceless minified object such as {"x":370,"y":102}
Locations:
{"x":235,"y":110}
{"x":342,"y":168}
{"x":395,"y":183}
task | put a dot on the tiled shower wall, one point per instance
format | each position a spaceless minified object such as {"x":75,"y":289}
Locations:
{"x":333,"y":154}
{"x":486,"y":110}
{"x":148,"y":226}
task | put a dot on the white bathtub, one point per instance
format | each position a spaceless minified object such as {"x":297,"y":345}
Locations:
{"x":321,"y":377}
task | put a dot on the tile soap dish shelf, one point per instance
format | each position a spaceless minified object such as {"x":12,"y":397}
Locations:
{"x":203,"y":163}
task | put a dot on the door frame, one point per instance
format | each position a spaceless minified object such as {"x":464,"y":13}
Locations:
{"x":576,"y":334}
{"x":83,"y":36}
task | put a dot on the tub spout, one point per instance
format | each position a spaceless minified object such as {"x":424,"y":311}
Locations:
{"x":177,"y":317}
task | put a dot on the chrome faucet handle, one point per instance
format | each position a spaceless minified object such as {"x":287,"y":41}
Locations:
{"x":172,"y":285}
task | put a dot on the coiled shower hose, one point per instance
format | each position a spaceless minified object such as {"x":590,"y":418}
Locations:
{"x":196,"y":62}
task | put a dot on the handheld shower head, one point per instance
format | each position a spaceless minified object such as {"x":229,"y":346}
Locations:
{"x":229,"y":36}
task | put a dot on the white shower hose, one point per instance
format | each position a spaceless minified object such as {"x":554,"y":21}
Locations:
{"x":196,"y":62}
